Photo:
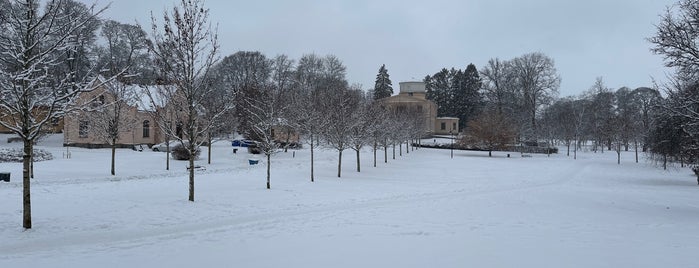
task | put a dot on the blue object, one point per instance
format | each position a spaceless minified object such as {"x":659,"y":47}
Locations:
{"x":241,"y":143}
{"x":253,"y":161}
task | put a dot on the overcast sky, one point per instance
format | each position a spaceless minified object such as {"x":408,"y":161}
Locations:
{"x":586,"y":39}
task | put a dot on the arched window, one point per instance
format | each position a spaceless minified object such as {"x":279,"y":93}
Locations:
{"x":101,"y":99}
{"x":146,"y":129}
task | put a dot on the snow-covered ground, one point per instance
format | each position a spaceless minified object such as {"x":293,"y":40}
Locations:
{"x":421,"y":210}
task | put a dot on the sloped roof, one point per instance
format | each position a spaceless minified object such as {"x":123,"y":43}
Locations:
{"x":138,"y":96}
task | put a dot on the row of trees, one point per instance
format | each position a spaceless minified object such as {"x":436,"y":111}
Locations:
{"x":310,"y":97}
{"x":53,"y":52}
{"x":615,"y":120}
{"x":674,"y":135}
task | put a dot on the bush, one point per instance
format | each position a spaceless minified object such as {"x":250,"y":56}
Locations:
{"x":179,"y":152}
{"x":15,"y":155}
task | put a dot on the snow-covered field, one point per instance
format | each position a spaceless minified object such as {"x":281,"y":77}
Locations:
{"x":421,"y":210}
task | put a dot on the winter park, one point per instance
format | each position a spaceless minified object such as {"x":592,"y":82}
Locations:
{"x":218,"y":134}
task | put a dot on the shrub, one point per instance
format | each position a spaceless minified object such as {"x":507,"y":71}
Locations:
{"x":179,"y":152}
{"x":15,"y":155}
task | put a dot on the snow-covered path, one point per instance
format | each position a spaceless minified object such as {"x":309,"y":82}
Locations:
{"x":420,"y":210}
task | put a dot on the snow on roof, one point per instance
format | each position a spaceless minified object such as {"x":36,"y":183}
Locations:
{"x":138,"y":95}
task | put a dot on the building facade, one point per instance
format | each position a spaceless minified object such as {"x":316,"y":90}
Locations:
{"x":82,"y":129}
{"x":446,"y":126}
{"x":412,"y":101}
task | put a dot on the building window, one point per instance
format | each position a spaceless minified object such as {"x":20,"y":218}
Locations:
{"x":146,"y":129}
{"x":83,"y":128}
{"x":101,"y":99}
{"x":410,"y":94}
{"x":272,"y":132}
{"x":443,"y":126}
{"x":453,"y":126}
{"x":54,"y":121}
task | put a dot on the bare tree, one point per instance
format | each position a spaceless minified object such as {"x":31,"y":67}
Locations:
{"x":581,"y":113}
{"x":283,"y":80}
{"x":491,"y":130}
{"x":247,"y":73}
{"x":380,"y":131}
{"x":30,"y":97}
{"x":185,"y":49}
{"x":560,"y":119}
{"x":602,"y":114}
{"x":219,"y":108}
{"x":308,"y":115}
{"x":270,"y":110}
{"x":646,"y":102}
{"x":497,"y":85}
{"x":536,"y":77}
{"x":126,"y":44}
{"x":676,"y":38}
{"x":267,"y":112}
{"x":364,"y":124}
{"x":342,"y":105}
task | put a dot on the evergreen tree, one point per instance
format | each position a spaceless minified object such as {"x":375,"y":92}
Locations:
{"x":467,"y":97}
{"x":439,"y":91}
{"x":382,"y":87}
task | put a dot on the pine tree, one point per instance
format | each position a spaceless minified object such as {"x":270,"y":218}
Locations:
{"x":467,"y":97}
{"x":382,"y":87}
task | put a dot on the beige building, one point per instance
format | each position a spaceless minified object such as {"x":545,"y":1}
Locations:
{"x":446,"y":126}
{"x":53,"y":126}
{"x":411,"y":100}
{"x":81,"y":129}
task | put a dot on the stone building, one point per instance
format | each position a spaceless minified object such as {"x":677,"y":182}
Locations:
{"x":412,"y":100}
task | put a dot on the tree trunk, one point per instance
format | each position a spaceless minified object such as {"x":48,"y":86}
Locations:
{"x":400,"y":148}
{"x":26,"y":193}
{"x":191,"y":177}
{"x":490,"y":153}
{"x":209,"y":153}
{"x":358,"y":165}
{"x":375,"y":153}
{"x":339,"y":164}
{"x":167,"y":156}
{"x":407,"y":146}
{"x":618,"y":154}
{"x":288,"y":136}
{"x":568,"y":153}
{"x":268,"y":170}
{"x":312,"y":179}
{"x":635,"y":146}
{"x":113,"y":155}
{"x":665,"y":161}
{"x":31,"y":164}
